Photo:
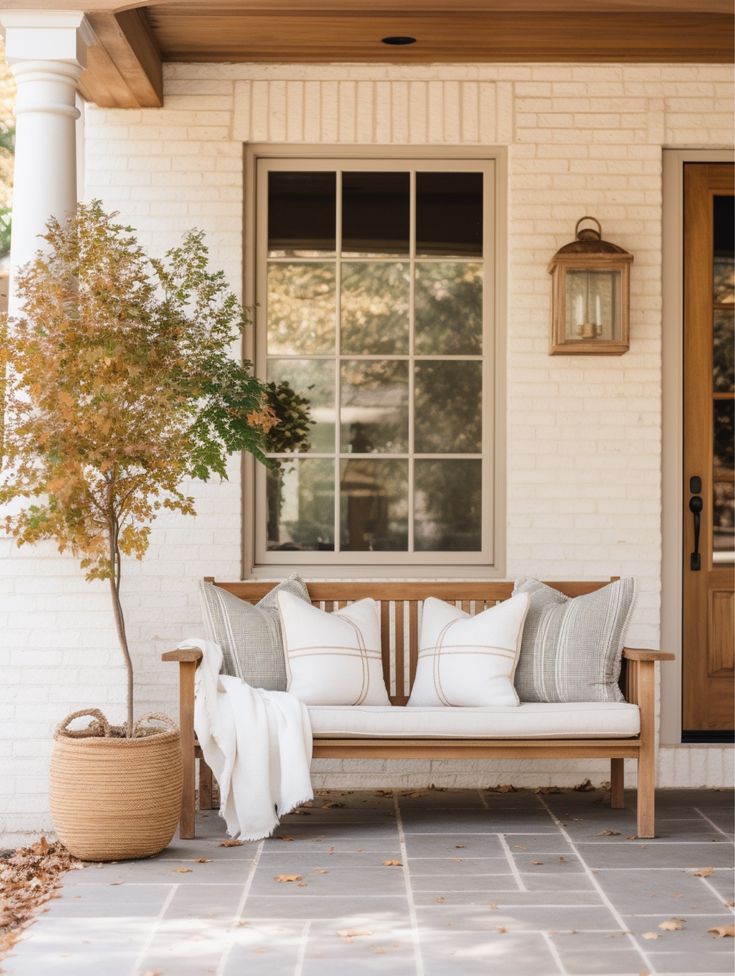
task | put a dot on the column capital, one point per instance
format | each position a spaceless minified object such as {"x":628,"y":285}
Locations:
{"x":46,"y":35}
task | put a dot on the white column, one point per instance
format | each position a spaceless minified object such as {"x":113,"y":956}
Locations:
{"x":46,"y":51}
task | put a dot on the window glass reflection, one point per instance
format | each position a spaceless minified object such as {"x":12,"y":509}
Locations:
{"x":375,"y":214}
{"x":449,"y":214}
{"x":301,"y":214}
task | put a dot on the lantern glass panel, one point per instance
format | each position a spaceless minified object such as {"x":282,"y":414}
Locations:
{"x":593,"y":308}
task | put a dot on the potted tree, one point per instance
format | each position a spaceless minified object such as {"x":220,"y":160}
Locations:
{"x":120,"y":387}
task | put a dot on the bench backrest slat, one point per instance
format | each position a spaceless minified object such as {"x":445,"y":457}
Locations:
{"x":400,"y":603}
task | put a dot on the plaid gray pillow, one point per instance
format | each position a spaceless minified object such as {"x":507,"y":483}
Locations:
{"x":572,"y":647}
{"x":250,"y":636}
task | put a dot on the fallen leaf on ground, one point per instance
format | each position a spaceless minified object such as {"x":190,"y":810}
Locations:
{"x":231,"y":842}
{"x":393,"y":864}
{"x":203,"y":860}
{"x":520,"y":847}
{"x":547,"y":790}
{"x":672,"y":925}
{"x":537,"y":862}
{"x":608,"y":833}
{"x":650,"y":935}
{"x":349,"y":934}
{"x":321,"y":871}
{"x":562,"y":860}
{"x":722,"y":931}
{"x":440,"y":899}
{"x":458,"y":846}
{"x":115,"y":883}
{"x":584,"y":787}
{"x":287,"y":878}
{"x":286,"y":837}
{"x":332,"y":805}
{"x":704,"y":872}
{"x":493,"y":906}
{"x":502,"y":788}
{"x":502,"y":929}
{"x":182,"y":870}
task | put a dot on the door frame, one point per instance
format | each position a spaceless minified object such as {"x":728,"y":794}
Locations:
{"x":672,"y":426}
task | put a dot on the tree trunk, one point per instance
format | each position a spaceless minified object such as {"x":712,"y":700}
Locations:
{"x":115,"y":574}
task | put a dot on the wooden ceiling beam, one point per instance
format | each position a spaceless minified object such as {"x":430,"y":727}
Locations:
{"x":195,"y":34}
{"x":124,"y":68}
{"x":399,"y":7}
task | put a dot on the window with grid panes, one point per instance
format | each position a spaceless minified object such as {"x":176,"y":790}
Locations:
{"x":373,"y":297}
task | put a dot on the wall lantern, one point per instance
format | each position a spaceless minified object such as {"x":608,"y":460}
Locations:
{"x":591,"y":295}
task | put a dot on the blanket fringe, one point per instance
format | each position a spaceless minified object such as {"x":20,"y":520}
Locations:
{"x":251,"y":838}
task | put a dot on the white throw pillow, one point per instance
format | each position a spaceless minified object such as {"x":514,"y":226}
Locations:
{"x":468,"y":661}
{"x":332,"y":658}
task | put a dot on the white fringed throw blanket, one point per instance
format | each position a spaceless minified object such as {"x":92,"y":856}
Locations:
{"x":257,"y":743}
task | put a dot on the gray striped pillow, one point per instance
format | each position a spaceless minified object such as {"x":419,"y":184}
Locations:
{"x":250,"y":636}
{"x":572,"y":647}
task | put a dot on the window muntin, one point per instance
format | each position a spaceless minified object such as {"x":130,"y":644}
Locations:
{"x":386,"y":326}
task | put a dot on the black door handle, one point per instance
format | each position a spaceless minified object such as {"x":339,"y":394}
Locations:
{"x":695,"y":507}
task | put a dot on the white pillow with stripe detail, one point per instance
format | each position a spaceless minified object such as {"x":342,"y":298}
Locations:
{"x":468,"y":661}
{"x":332,"y":658}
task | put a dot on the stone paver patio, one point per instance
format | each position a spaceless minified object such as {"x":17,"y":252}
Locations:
{"x":476,"y":882}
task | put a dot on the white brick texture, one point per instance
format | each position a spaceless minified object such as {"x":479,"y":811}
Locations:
{"x":584,"y":436}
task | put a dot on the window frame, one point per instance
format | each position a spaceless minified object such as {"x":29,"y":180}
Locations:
{"x":257,"y":561}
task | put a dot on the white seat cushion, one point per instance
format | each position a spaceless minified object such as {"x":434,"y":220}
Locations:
{"x":529,"y":720}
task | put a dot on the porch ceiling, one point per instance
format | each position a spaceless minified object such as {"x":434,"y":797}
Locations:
{"x":135,"y":38}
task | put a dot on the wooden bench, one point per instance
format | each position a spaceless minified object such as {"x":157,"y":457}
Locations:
{"x":399,"y":610}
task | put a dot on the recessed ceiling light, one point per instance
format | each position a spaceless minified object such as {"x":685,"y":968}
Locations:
{"x":398,"y":41}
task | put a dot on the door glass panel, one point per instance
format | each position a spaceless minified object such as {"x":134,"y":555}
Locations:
{"x":300,"y":505}
{"x":723,"y":351}
{"x":375,"y":214}
{"x":375,"y":304}
{"x":723,"y":504}
{"x":448,"y":302}
{"x":301,"y":214}
{"x":313,"y":380}
{"x":448,"y":506}
{"x":449,"y":215}
{"x":374,"y":411}
{"x":724,"y":522}
{"x":448,"y":407}
{"x":301,"y":308}
{"x":374,"y":505}
{"x":724,"y":249}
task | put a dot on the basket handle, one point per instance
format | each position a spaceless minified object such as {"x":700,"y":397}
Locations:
{"x":154,"y":717}
{"x":95,"y":727}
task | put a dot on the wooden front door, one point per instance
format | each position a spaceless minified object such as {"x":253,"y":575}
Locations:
{"x":709,"y":499}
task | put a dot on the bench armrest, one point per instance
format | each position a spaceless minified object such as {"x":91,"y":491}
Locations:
{"x":183,"y":654}
{"x":643,"y":654}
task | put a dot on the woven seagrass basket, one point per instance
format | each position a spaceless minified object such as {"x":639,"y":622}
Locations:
{"x":114,"y":798}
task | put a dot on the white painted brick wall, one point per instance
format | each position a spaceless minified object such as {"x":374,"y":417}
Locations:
{"x":584,"y":435}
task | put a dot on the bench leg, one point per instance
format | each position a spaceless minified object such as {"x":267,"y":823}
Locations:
{"x":205,"y":786}
{"x":186,"y":722}
{"x":617,"y":784}
{"x":647,"y":751}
